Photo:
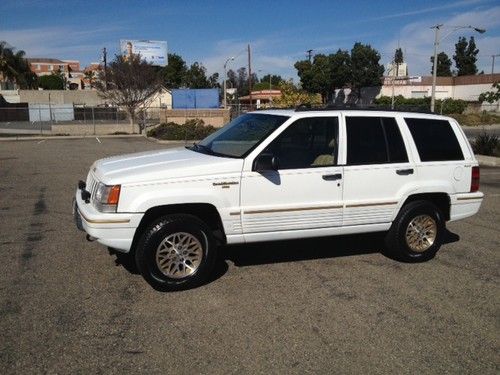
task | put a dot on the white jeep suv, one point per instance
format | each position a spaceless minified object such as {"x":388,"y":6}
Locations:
{"x":282,"y":174}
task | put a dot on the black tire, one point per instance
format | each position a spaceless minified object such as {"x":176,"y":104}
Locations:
{"x":161,"y":229}
{"x":396,"y":238}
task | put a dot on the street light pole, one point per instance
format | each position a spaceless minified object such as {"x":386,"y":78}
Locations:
{"x":434,"y":68}
{"x":436,"y":45}
{"x":225,"y":77}
{"x":493,"y":63}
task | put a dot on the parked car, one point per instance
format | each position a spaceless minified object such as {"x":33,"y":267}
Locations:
{"x":282,"y":174}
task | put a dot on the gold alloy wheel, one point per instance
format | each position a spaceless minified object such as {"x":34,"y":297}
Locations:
{"x":179,"y":255}
{"x":421,"y":233}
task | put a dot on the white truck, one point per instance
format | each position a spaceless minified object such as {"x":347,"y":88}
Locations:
{"x":282,"y":174}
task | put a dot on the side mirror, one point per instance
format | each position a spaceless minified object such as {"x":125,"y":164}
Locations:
{"x":265,"y":162}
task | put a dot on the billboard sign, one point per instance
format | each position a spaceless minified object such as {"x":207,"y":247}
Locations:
{"x":153,"y":51}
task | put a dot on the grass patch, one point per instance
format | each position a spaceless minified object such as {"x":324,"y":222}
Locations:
{"x":477,"y":119}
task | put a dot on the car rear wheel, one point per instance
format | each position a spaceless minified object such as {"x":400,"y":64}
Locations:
{"x":416,"y":233}
{"x":176,"y":252}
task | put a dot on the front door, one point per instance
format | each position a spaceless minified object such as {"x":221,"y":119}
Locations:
{"x":305,"y":192}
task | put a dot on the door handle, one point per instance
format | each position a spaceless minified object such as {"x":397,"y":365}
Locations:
{"x":332,"y":177}
{"x":404,"y":172}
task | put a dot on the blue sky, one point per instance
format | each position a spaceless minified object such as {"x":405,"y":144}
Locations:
{"x":279,"y":31}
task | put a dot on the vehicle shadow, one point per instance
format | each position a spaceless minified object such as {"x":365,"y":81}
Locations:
{"x":302,"y":249}
{"x":288,"y":251}
{"x":311,"y":248}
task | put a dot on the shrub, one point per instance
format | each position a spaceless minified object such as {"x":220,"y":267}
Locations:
{"x":190,"y":130}
{"x":422,"y":104}
{"x":486,"y":144}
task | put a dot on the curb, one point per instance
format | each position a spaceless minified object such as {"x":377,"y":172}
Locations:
{"x":165,"y":142}
{"x":488,"y":161}
{"x":36,"y":138}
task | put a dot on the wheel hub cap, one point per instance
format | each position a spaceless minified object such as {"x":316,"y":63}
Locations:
{"x":421,"y":233}
{"x":179,"y":255}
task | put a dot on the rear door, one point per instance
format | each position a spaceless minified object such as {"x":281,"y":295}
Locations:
{"x":378,"y":171}
{"x":442,"y":161}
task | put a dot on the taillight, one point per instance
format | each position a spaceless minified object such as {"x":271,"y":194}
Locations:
{"x":474,"y":180}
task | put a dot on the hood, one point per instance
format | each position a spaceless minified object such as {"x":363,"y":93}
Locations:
{"x":159,"y":165}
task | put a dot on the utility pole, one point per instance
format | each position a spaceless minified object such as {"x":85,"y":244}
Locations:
{"x":309,"y":54}
{"x":250,"y":75}
{"x":493,"y":63}
{"x":104,"y":59}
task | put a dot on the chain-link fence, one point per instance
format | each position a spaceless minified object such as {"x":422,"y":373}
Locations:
{"x":69,"y":119}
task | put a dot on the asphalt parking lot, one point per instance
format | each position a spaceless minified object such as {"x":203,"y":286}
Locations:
{"x":334,"y":305}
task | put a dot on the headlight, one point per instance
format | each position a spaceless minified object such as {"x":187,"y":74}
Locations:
{"x":106,"y":197}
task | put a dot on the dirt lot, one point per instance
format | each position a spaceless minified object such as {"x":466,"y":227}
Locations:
{"x":333,"y":305}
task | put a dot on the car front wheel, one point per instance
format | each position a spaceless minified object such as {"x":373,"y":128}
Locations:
{"x":176,"y":252}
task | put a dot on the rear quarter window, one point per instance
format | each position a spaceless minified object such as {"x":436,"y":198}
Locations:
{"x":435,"y":139}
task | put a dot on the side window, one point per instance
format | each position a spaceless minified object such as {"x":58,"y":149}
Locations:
{"x":396,"y":146}
{"x":435,"y":139}
{"x":374,"y":140}
{"x":307,"y":143}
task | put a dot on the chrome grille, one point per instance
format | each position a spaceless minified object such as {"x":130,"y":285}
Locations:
{"x":92,"y":183}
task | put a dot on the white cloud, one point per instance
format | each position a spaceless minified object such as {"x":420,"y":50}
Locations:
{"x":262,"y":57}
{"x":58,"y":42}
{"x":428,"y":10}
{"x":417,"y":39}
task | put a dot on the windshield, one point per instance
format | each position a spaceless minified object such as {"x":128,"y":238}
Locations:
{"x":240,"y":136}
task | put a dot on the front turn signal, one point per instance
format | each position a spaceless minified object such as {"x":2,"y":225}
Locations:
{"x":114,"y":194}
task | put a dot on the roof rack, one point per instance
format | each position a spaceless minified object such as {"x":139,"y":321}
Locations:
{"x":356,"y":107}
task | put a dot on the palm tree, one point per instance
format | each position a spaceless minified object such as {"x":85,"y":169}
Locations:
{"x":15,"y":68}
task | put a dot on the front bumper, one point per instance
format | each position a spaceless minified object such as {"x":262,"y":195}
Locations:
{"x":115,"y":230}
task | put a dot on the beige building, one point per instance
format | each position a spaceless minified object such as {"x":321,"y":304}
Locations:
{"x":466,"y":88}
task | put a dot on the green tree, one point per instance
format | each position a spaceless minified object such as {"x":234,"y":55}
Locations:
{"x":196,"y":77}
{"x":365,"y":68}
{"x":305,"y":73}
{"x":15,"y":68}
{"x":131,"y":83}
{"x":315,"y":77}
{"x":491,"y":96}
{"x":173,"y":74}
{"x":466,"y":56}
{"x":231,"y":79}
{"x":340,"y":69}
{"x":213,"y":81}
{"x":275,"y":79}
{"x":53,"y":81}
{"x":443,"y":65}
{"x":398,"y":56}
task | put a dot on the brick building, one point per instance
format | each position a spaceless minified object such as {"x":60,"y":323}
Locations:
{"x":69,"y":68}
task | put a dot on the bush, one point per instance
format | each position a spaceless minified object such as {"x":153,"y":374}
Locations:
{"x":422,"y":104}
{"x":190,"y":130}
{"x":51,"y":82}
{"x":476,"y":119}
{"x":486,"y":144}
